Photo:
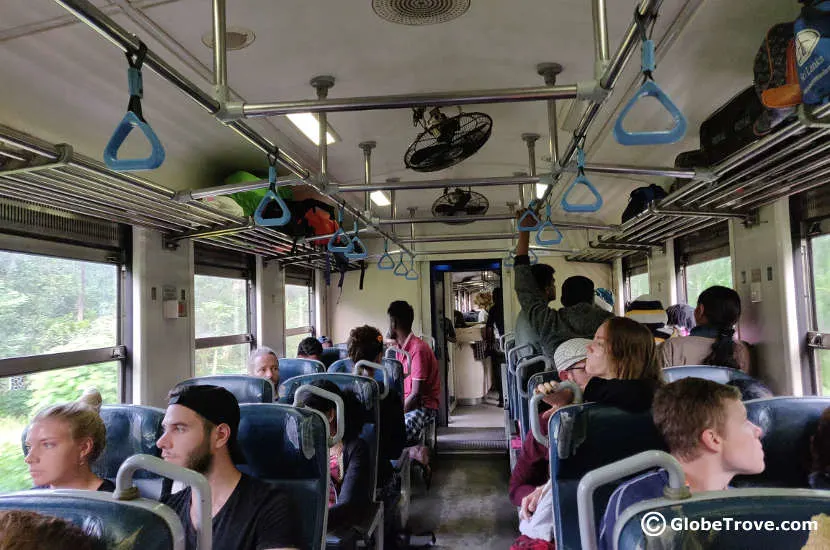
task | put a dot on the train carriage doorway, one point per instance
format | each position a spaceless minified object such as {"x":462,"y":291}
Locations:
{"x":462,"y":298}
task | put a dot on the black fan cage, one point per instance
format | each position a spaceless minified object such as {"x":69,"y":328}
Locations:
{"x":449,"y":142}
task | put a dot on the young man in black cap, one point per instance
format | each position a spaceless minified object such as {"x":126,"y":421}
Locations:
{"x":200,"y":429}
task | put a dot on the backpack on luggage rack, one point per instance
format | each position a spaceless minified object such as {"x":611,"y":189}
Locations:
{"x":640,"y":198}
{"x":812,"y":50}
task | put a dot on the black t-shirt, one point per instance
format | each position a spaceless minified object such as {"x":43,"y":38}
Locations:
{"x":256,"y":516}
{"x":629,"y":395}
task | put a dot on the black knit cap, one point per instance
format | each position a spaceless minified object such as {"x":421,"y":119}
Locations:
{"x":215,"y":404}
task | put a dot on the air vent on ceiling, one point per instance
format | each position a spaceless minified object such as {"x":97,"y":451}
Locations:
{"x":420,"y":12}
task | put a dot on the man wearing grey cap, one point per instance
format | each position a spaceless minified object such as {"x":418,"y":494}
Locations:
{"x":200,"y":433}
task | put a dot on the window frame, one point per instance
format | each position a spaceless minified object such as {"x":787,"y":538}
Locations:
{"x":816,"y":340}
{"x":32,"y":364}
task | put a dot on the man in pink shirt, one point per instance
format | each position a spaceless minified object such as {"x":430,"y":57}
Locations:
{"x":422,"y":388}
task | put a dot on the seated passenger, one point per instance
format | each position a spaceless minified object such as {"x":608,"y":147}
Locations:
{"x":648,"y":310}
{"x":620,"y":370}
{"x":578,"y":318}
{"x":200,"y":429}
{"x":25,"y":530}
{"x":310,"y":348}
{"x":712,"y":341}
{"x":366,"y":343}
{"x":422,"y":388}
{"x":820,"y":451}
{"x":264,"y":363}
{"x":545,"y":285}
{"x":681,"y":319}
{"x":532,"y":471}
{"x":62,"y":443}
{"x":325,"y":342}
{"x":349,"y":462}
{"x":705,"y":427}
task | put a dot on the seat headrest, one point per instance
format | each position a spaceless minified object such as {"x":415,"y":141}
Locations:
{"x":151,"y":527}
{"x":342,"y":365}
{"x":290,"y":367}
{"x":787,"y":424}
{"x":721,"y":375}
{"x":283,"y":442}
{"x":246,"y":389}
{"x":740,"y":505}
{"x":585,"y":437}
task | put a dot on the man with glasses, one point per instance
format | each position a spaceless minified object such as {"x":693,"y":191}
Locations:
{"x":532,"y":470}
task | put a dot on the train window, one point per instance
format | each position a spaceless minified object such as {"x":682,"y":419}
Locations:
{"x":21,"y":397}
{"x":222,"y":333}
{"x":819,"y":245}
{"x":703,"y":260}
{"x":635,"y":269}
{"x":58,"y":328}
{"x":298,"y":316}
{"x":701,"y":276}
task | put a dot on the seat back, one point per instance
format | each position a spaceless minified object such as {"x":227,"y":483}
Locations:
{"x":151,"y":527}
{"x":287,"y":447}
{"x":525,"y":369}
{"x":343,"y":366}
{"x":289,"y":367}
{"x":396,"y":373}
{"x":246,"y":389}
{"x":583,"y":438}
{"x":131,"y":430}
{"x":722,"y":375}
{"x":787,"y":424}
{"x":739,"y":505}
{"x":367,"y":392}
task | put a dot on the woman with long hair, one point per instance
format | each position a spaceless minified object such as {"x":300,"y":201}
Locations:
{"x":621,"y":370}
{"x":62,"y":443}
{"x":712,"y":341}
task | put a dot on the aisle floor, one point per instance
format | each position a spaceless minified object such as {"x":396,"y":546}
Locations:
{"x":467,"y":505}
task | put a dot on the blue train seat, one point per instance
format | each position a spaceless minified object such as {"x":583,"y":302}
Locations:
{"x":582,"y":438}
{"x":787,"y":423}
{"x":343,"y":366}
{"x":151,"y":526}
{"x":524,"y":370}
{"x":721,"y":375}
{"x":289,"y":367}
{"x":755,"y":505}
{"x":131,"y":430}
{"x":246,"y":389}
{"x":287,"y":447}
{"x":367,"y":392}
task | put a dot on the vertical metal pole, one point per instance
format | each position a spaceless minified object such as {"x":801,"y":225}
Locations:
{"x":220,"y":52}
{"x":530,"y":140}
{"x":412,"y":210}
{"x":393,"y":204}
{"x":367,"y":147}
{"x":521,"y":189}
{"x":322,"y":85}
{"x":549,"y":71}
{"x":602,"y":52}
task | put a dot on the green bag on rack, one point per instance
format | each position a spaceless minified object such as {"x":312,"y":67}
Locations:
{"x":249,"y":200}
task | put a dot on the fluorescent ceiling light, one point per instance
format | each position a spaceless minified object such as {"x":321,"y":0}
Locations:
{"x":540,"y":190}
{"x":308,"y":124}
{"x":379,"y":198}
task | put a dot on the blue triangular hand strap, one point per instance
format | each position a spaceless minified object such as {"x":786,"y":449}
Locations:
{"x":272,"y":195}
{"x":386,"y":262}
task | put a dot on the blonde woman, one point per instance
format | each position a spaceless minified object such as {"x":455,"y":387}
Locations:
{"x":62,"y":443}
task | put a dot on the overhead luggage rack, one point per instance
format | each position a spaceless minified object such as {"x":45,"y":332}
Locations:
{"x":795,"y":160}
{"x":53,"y":176}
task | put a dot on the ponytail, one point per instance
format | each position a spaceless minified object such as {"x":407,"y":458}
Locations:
{"x":722,"y":353}
{"x":722,"y":309}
